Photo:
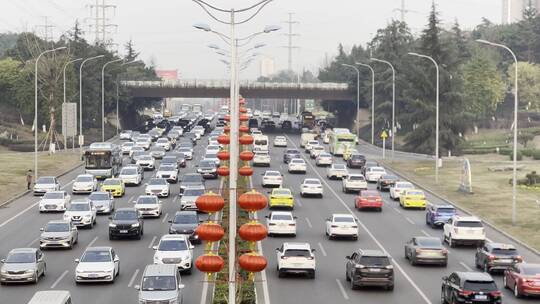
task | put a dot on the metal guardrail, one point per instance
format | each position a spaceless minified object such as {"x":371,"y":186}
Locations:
{"x":224,"y":84}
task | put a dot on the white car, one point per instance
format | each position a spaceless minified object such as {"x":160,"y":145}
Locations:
{"x":398,"y":188}
{"x":261,"y":158}
{"x":158,"y":187}
{"x":310,"y":144}
{"x":374,"y":173}
{"x":189,"y":197}
{"x":281,"y":223}
{"x":324,"y":159}
{"x":296,"y":258}
{"x":464,"y":230}
{"x":315,"y":151}
{"x":354,"y":182}
{"x":198,"y":130}
{"x":126,"y":147}
{"x":188,"y":152}
{"x":147,"y":162}
{"x":126,"y":135}
{"x":144,"y":143}
{"x":311,"y":186}
{"x":272,"y":178}
{"x":175,"y":249}
{"x":212,"y":156}
{"x":297,"y":165}
{"x":280,"y":141}
{"x":54,"y":201}
{"x":341,"y":225}
{"x":168,"y":172}
{"x":131,"y":176}
{"x":44,"y":184}
{"x":255,"y":132}
{"x":81,"y":213}
{"x":212,"y":149}
{"x":337,"y":171}
{"x":84,"y":183}
{"x":135,"y":149}
{"x":97,"y":264}
{"x":164,"y":143}
{"x":149,"y":205}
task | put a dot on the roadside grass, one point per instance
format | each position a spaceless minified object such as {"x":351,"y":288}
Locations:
{"x":492,"y":198}
{"x":15,"y":165}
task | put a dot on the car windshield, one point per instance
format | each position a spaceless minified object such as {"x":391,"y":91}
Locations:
{"x":79,"y":207}
{"x":446,"y":210}
{"x":207,"y":163}
{"x":282,"y":217}
{"x":343,"y":219}
{"x":297,"y":253}
{"x":210,"y":155}
{"x":357,"y":156}
{"x":480,"y":286}
{"x":186,"y":219}
{"x":415,"y":192}
{"x":531,"y":269}
{"x":125,"y":215}
{"x":53,"y":195}
{"x":157,"y":181}
{"x":272,"y":173}
{"x":151,"y":283}
{"x":356,"y":177}
{"x":292,"y":152}
{"x":185,"y":150}
{"x":504,"y":251}
{"x":190,"y":178}
{"x":374,"y":261}
{"x":404,"y":185}
{"x":325,"y":155}
{"x":129,"y":171}
{"x":297,"y":161}
{"x":282,"y":192}
{"x":312,"y":182}
{"x":429,"y":242}
{"x":57,"y":227}
{"x":470,"y":224}
{"x":166,"y":168}
{"x":84,"y":179}
{"x":99,"y":196}
{"x":45,"y":180}
{"x":193,"y":192}
{"x":261,"y":153}
{"x":21,"y":257}
{"x":375,"y":169}
{"x":339,"y":167}
{"x":96,"y":256}
{"x":172,"y":245}
{"x":389,"y":177}
{"x":162,"y":141}
{"x":147,"y":200}
{"x":111,"y":182}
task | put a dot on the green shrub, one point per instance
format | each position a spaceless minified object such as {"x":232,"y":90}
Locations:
{"x":519,"y":155}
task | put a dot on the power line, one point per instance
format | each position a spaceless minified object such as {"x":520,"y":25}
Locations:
{"x":47,"y":29}
{"x":290,"y":36}
{"x":100,"y":22}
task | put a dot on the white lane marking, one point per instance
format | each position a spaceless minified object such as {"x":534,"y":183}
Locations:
{"x":322,"y":249}
{"x":92,"y":242}
{"x":396,"y":210}
{"x":489,"y":240}
{"x":165,"y":217}
{"x":465,"y":266}
{"x":266,"y":293}
{"x":152,"y":242}
{"x":133,"y":277}
{"x":299,"y":202}
{"x":59,"y":279}
{"x":175,"y":199}
{"x":398,"y":266}
{"x":309,"y":223}
{"x":410,"y":221}
{"x":18,"y":214}
{"x":32,"y":242}
{"x":71,"y":182}
{"x":425,"y":233}
{"x":343,"y":292}
{"x":131,"y":198}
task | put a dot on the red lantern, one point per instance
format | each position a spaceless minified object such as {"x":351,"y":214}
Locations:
{"x":246,"y":171}
{"x":243,"y":129}
{"x":252,"y":201}
{"x":223,"y":171}
{"x":209,"y":263}
{"x":210,"y":202}
{"x":252,"y":262}
{"x":244,"y":117}
{"x":210,"y":232}
{"x":224,"y":139}
{"x":245,"y":139}
{"x":246,"y":155}
{"x":227,"y":117}
{"x":226,"y":129}
{"x":253,"y":232}
{"x":223,"y":155}
{"x":243,"y":110}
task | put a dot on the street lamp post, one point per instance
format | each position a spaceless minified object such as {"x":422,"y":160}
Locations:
{"x":64,"y":78}
{"x":393,"y":100}
{"x":103,"y":96}
{"x":436,"y":113}
{"x":516,"y":105}
{"x":372,"y":100}
{"x":81,"y":138}
{"x":117,"y":98}
{"x":357,"y":97}
{"x":36,"y":107}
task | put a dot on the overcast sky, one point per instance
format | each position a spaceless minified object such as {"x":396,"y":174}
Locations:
{"x":162,"y":29}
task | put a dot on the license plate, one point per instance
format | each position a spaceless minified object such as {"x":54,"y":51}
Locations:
{"x":470,"y":231}
{"x":123,"y":231}
{"x":374,"y":270}
{"x":505,"y":261}
{"x":93,"y":275}
{"x":480,"y":297}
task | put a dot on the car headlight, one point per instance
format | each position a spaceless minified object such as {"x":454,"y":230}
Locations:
{"x":112,"y":225}
{"x":28,"y":271}
{"x":88,"y":216}
{"x":3,"y":271}
{"x":135,"y":225}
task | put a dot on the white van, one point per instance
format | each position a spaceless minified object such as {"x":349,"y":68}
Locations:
{"x":51,"y":297}
{"x":260,"y":143}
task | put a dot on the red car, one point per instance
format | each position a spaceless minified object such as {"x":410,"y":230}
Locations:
{"x":523,"y":279}
{"x":368,"y":199}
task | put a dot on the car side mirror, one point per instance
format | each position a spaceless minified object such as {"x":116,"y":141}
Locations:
{"x":41,"y":229}
{"x":137,"y":287}
{"x":110,"y":217}
{"x":295,"y":217}
{"x":277,"y":249}
{"x":169,"y":221}
{"x":348,"y":257}
{"x":312,"y":250}
{"x":445,"y":278}
{"x":77,"y":261}
{"x":3,"y":261}
{"x":181,"y":286}
{"x":191,"y":247}
{"x":116,"y":259}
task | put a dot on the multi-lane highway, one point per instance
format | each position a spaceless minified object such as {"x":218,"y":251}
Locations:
{"x":20,"y":222}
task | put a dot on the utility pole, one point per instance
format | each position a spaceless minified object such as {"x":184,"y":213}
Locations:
{"x":47,"y":28}
{"x":290,"y":22}
{"x":100,"y":20}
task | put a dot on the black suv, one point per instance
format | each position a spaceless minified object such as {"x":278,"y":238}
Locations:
{"x":496,"y":256}
{"x":290,"y":154}
{"x":126,"y":222}
{"x":470,"y":287}
{"x":356,"y":161}
{"x":369,"y":268}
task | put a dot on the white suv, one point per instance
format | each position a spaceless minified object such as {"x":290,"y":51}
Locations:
{"x":175,"y":249}
{"x":296,"y":258}
{"x":397,"y":188}
{"x":81,"y":213}
{"x":261,"y":158}
{"x":464,"y":230}
{"x":297,"y":165}
{"x":354,"y":182}
{"x":374,"y":173}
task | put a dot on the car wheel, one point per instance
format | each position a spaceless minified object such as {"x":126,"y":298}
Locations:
{"x":451,"y":242}
{"x":517,"y":294}
{"x":505,"y":282}
{"x":312,"y":275}
{"x":36,"y":277}
{"x":281,"y":274}
{"x":347,"y":278}
{"x":139,"y":236}
{"x":443,"y":299}
{"x":353,"y":286}
{"x":111,"y":237}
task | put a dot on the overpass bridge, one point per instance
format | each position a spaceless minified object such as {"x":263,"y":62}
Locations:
{"x":248,"y":89}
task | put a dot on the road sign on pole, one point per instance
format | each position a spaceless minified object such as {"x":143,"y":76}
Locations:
{"x":69,"y":119}
{"x":384,"y":136}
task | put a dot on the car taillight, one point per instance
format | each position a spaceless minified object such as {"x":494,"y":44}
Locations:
{"x":355,"y":227}
{"x":491,"y":257}
{"x":444,"y":251}
{"x":465,"y":293}
{"x":418,"y":250}
{"x":518,"y":258}
{"x":284,"y":257}
{"x":292,"y":225}
{"x":495,"y":293}
{"x":334,"y":226}
{"x":310,"y":258}
{"x":271,"y":224}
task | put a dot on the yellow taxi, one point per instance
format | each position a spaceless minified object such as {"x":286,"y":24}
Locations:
{"x":281,"y":198}
{"x":115,"y":186}
{"x":348,"y":152}
{"x":412,"y":198}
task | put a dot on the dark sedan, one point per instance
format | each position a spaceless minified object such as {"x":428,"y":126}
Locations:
{"x":386,"y":181}
{"x":290,"y":154}
{"x":185,"y":222}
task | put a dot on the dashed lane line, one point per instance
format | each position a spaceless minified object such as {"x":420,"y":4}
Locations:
{"x":410,"y":221}
{"x":465,"y":266}
{"x":425,"y":233}
{"x":92,"y":242}
{"x":152,"y":241}
{"x":322,"y":249}
{"x":133,"y":277}
{"x":59,"y":279}
{"x":343,"y":292}
{"x":165,"y":217}
{"x":309,"y":223}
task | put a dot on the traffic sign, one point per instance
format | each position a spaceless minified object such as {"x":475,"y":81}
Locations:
{"x":69,"y":119}
{"x":384,"y":135}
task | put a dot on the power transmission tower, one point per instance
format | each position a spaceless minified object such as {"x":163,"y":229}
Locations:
{"x":100,"y":22}
{"x":47,"y":29}
{"x":290,"y":35}
{"x":403,"y":11}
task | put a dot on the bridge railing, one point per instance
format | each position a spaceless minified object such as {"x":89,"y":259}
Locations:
{"x":223,"y":84}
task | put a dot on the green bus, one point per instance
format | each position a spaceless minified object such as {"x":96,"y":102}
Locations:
{"x":340,"y":140}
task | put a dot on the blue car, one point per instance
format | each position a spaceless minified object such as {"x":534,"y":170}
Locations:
{"x":437,"y":215}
